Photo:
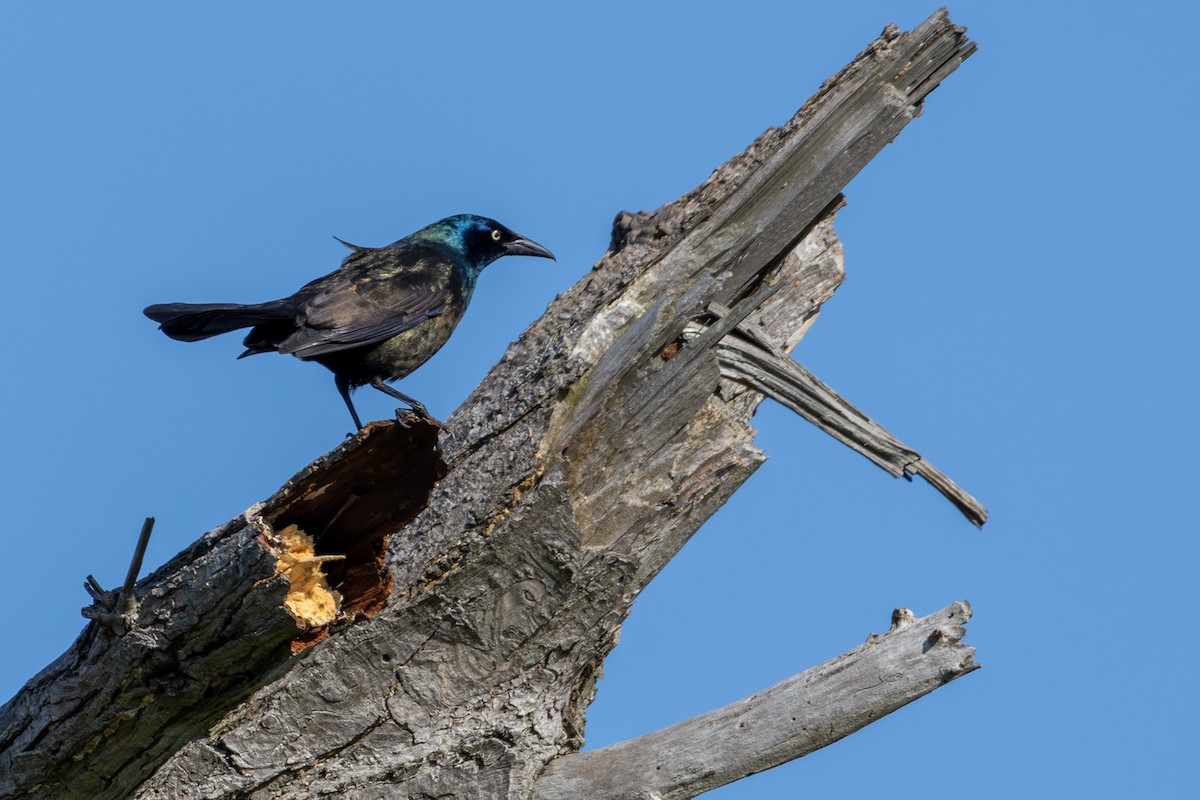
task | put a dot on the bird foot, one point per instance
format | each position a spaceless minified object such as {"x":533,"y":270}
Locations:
{"x":407,"y":416}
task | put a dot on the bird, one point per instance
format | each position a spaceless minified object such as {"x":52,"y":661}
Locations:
{"x":384,"y":312}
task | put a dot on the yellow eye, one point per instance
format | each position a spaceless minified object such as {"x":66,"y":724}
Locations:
{"x":495,"y":235}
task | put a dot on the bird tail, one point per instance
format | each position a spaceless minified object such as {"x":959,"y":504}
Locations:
{"x":191,"y":322}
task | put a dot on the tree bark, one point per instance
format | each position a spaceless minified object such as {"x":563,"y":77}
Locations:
{"x":423,"y":612}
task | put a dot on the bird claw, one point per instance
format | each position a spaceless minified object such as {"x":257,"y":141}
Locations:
{"x":418,"y":413}
{"x":352,"y":334}
{"x":406,"y":415}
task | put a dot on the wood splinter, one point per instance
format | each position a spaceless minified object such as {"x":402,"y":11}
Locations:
{"x":491,"y":616}
{"x":311,"y":600}
{"x":749,"y":357}
{"x":117,"y":610}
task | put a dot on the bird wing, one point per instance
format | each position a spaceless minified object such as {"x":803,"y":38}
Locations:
{"x":377,"y":294}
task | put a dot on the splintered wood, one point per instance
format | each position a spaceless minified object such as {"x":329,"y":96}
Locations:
{"x":310,"y":600}
{"x":498,"y":557}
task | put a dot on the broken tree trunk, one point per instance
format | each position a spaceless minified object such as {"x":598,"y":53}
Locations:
{"x":423,"y":612}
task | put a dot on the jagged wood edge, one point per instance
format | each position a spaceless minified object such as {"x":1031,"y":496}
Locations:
{"x":211,"y":626}
{"x":523,"y":452}
{"x":547,"y":525}
{"x":762,"y":365}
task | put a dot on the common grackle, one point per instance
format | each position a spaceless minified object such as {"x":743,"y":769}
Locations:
{"x":377,"y":318}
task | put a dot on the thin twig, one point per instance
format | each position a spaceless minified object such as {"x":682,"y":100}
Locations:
{"x":128,"y":597}
{"x":118,"y":610}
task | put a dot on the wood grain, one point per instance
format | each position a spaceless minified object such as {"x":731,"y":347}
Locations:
{"x":786,"y":721}
{"x":492,"y":571}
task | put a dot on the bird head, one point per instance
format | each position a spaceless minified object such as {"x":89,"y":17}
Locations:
{"x":479,"y":240}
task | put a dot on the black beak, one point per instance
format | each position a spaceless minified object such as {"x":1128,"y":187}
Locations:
{"x":527,"y":247}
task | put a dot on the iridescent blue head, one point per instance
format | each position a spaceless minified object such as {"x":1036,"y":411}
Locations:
{"x":478,"y":241}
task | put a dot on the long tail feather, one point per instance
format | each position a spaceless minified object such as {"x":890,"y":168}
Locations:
{"x":191,"y":322}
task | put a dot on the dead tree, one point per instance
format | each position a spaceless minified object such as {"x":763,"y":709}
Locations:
{"x":422,"y":613}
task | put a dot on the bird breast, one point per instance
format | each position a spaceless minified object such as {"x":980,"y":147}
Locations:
{"x":396,"y":357}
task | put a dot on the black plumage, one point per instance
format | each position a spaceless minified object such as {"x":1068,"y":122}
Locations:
{"x":378,"y":317}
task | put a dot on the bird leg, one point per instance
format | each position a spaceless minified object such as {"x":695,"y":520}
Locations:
{"x":415,"y":405}
{"x":343,"y":388}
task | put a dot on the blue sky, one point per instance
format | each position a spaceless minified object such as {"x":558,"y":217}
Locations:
{"x":1019,"y":306}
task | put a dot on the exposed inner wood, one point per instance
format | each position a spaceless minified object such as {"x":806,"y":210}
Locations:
{"x":222,"y":618}
{"x":496,"y":583}
{"x":349,"y":502}
{"x":310,"y":599}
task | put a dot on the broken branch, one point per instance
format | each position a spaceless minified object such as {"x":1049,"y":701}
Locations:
{"x":754,"y":361}
{"x":118,"y":610}
{"x":787,"y":721}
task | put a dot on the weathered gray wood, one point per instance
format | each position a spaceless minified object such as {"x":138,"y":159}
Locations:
{"x":751,"y":359}
{"x":575,"y":471}
{"x":786,"y":721}
{"x":212,"y":626}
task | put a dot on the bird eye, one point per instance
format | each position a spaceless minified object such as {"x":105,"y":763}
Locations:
{"x":495,"y":235}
